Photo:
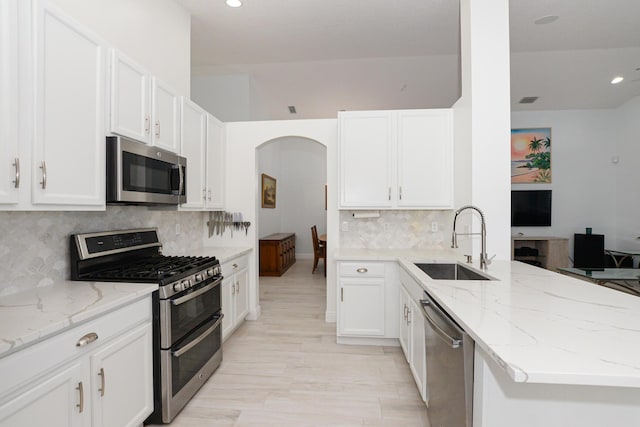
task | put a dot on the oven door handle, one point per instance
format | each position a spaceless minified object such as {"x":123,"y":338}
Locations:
{"x":194,"y":294}
{"x":195,"y":342}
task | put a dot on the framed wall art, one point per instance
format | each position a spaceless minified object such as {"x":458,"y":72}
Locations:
{"x":531,"y":156}
{"x":268,"y":192}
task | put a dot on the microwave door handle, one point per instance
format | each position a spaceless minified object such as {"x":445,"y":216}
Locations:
{"x":181,"y":174}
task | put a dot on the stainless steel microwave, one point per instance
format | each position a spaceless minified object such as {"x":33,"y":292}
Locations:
{"x":144,"y":175}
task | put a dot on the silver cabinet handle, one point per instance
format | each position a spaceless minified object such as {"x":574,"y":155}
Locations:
{"x":87,"y":339}
{"x":204,"y":194}
{"x":408,"y":315}
{"x":80,"y":389}
{"x":362,"y":270}
{"x":389,"y":193}
{"x":233,"y":289}
{"x":146,"y":124}
{"x":43,"y":166}
{"x":16,"y":182}
{"x":209,"y":192}
{"x":404,"y":312}
{"x":400,"y":192}
{"x":237,"y":287}
{"x":235,"y":265}
{"x":341,"y":294}
{"x":158,"y":129}
{"x":101,"y":389}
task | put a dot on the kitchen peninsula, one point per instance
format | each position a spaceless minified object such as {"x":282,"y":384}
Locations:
{"x":550,"y":350}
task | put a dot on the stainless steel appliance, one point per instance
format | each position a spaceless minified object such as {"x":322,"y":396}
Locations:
{"x":186,"y":313}
{"x":141,"y":174}
{"x":449,"y":368}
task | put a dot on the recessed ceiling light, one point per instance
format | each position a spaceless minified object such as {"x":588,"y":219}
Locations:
{"x":548,"y":19}
{"x":234,"y":3}
{"x":617,"y":80}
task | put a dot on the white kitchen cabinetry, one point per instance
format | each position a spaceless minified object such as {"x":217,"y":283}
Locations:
{"x":367,"y":300}
{"x":412,"y":331}
{"x":396,"y":159}
{"x":9,"y":148}
{"x":143,"y":107}
{"x":95,"y":374}
{"x":60,"y":111}
{"x":235,"y":294}
{"x":203,"y":146}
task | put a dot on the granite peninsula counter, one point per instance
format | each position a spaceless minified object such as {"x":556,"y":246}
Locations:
{"x":550,"y":349}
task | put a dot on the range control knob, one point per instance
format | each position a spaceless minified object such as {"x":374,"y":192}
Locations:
{"x":209,"y":272}
{"x":177,"y":287}
{"x":199,"y":277}
{"x":185,"y":284}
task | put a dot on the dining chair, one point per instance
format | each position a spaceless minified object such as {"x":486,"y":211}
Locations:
{"x":319,"y":251}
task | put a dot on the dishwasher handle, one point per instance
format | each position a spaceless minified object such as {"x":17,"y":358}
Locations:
{"x":453,"y":342}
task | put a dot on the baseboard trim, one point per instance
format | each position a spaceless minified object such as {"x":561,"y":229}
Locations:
{"x":385,"y":342}
{"x":330,"y":316}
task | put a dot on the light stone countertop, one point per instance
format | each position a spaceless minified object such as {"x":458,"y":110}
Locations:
{"x":30,"y":316}
{"x":540,"y":326}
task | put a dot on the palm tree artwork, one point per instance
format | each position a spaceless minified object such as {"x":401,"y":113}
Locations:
{"x":531,"y":155}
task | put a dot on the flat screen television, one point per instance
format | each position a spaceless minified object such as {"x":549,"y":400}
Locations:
{"x":531,"y":208}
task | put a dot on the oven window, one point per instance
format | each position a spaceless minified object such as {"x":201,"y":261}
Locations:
{"x":187,"y":315}
{"x":185,"y":366}
{"x":144,"y":174}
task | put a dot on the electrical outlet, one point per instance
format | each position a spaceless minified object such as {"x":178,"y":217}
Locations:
{"x":178,"y":229}
{"x":345,"y":226}
{"x":434,"y":226}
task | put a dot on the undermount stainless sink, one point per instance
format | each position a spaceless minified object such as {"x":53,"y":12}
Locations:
{"x":450,"y":271}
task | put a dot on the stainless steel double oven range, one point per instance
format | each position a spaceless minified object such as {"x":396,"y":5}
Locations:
{"x":187,"y":330}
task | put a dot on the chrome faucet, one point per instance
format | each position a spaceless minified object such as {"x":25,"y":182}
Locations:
{"x":484,"y":261}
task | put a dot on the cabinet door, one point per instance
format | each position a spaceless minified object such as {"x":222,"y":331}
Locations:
{"x":361,"y":307}
{"x":193,"y":129}
{"x":130,"y":99}
{"x":68,"y":165}
{"x":166,"y":116}
{"x":228,"y":305}
{"x":9,"y":155}
{"x":418,"y":360}
{"x":241,"y":296}
{"x":404,"y":323}
{"x":425,"y":159}
{"x":215,"y":163}
{"x":122,"y":382}
{"x":366,"y":141}
{"x":61,"y":400}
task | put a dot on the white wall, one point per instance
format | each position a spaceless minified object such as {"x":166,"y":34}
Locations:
{"x":154,"y":33}
{"x":243,"y":195}
{"x":227,"y":97}
{"x":627,"y":185}
{"x":300,"y":168}
{"x":583,"y":179}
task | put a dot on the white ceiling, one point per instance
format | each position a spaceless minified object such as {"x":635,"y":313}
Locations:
{"x":328,"y":55}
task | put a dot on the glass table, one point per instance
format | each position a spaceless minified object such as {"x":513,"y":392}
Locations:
{"x":622,"y":279}
{"x":619,"y":256}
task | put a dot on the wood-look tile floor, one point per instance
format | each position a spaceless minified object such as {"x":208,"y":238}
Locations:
{"x":285,"y":369}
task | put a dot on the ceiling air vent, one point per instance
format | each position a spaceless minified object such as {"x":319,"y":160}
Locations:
{"x":528,"y":100}
{"x":292,"y":109}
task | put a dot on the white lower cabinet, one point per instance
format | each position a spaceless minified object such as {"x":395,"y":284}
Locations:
{"x":412,"y":331}
{"x":367,"y":300}
{"x":235,"y":294}
{"x":96,"y":374}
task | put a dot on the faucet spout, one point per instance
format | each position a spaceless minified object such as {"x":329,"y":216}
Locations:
{"x":483,"y":232}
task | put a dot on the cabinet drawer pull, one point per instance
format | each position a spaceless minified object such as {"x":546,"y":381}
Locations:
{"x":43,"y":183}
{"x":209,"y":192}
{"x":389,"y":193}
{"x":235,"y":265}
{"x":87,"y":339}
{"x":158,"y":129}
{"x":16,"y":182}
{"x":80,"y":389}
{"x":341,"y":294}
{"x":146,"y":124}
{"x":400,"y":193}
{"x":102,"y":381}
{"x":362,"y":270}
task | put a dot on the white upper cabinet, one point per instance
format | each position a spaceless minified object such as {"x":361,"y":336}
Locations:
{"x":130,"y":99}
{"x":396,"y":159}
{"x":215,"y":163}
{"x":194,"y":140}
{"x":69,"y":68}
{"x":143,"y":107}
{"x":9,"y":149}
{"x":425,"y":159}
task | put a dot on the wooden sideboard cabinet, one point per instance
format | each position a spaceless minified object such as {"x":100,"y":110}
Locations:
{"x":546,"y":252}
{"x":277,"y":253}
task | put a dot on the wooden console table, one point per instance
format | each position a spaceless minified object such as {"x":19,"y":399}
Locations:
{"x":550,"y":252}
{"x":277,"y":253}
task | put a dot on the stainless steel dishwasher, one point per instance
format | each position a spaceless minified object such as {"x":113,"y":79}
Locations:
{"x":449,"y":368}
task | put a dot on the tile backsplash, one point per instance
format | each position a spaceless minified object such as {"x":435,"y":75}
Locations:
{"x":34,"y":246}
{"x":396,"y":230}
